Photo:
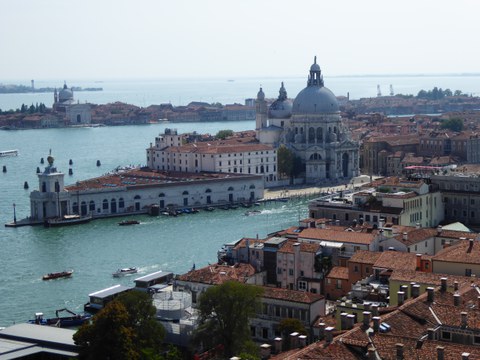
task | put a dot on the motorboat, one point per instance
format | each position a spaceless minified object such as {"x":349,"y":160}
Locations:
{"x":125,"y":271}
{"x":252,"y":212}
{"x":61,"y":321}
{"x":8,"y":153}
{"x":128,"y":222}
{"x":57,"y":275}
{"x":67,"y":220}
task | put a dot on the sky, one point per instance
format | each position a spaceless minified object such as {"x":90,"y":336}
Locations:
{"x":99,"y":39}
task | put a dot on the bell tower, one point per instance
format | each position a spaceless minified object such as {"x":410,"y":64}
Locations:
{"x":261,"y":111}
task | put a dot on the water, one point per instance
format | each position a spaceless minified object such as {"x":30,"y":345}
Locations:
{"x":182,"y":91}
{"x":97,"y":249}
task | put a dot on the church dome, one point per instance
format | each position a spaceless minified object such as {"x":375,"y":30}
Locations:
{"x":65,"y":94}
{"x":260,"y":94}
{"x":315,"y":98}
{"x":282,"y":107}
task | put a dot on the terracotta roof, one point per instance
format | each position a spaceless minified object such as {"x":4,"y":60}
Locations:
{"x":318,"y":351}
{"x":365,"y":257}
{"x":287,"y":247}
{"x":218,"y":148}
{"x":431,"y":279}
{"x":218,"y":274}
{"x":291,"y":295}
{"x":461,"y":252}
{"x":338,"y":236}
{"x":338,"y":272}
{"x":396,"y":260}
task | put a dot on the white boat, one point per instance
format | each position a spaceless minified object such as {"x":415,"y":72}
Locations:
{"x":125,"y":271}
{"x":67,"y":220}
{"x":8,"y":153}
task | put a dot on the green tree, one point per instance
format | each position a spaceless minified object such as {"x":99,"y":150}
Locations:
{"x":224,"y":313}
{"x":288,"y":326}
{"x":454,"y":124}
{"x":285,"y":158}
{"x":125,"y":329}
{"x":223,"y":134}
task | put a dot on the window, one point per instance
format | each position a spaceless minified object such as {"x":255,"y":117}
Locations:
{"x":91,"y":206}
{"x":302,"y":285}
{"x":339,"y":284}
{"x":355,"y":268}
{"x":105,"y":204}
{"x":446,"y":335}
{"x":290,"y":272}
{"x":468,"y":272}
{"x":279,"y":271}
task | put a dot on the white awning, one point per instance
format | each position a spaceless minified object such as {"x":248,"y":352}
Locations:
{"x":332,"y":244}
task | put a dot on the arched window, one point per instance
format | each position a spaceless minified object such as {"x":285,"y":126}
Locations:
{"x":137,"y":197}
{"x":75,"y":208}
{"x":208,"y":191}
{"x":57,"y":186}
{"x":262,"y":170}
{"x":315,"y":157}
{"x":121,"y":203}
{"x":252,"y":186}
{"x":105,"y":204}
{"x":161,"y":195}
{"x":319,"y":134}
{"x":185,"y":192}
{"x":230,"y":188}
{"x":83,"y":208}
{"x":311,"y":134}
{"x":91,"y":205}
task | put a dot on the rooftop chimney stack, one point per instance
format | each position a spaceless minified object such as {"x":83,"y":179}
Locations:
{"x":404,"y":288}
{"x":371,"y":353}
{"x":343,"y":321}
{"x":456,"y":299}
{"x":265,"y":351}
{"x":470,"y":246}
{"x":455,"y":285}
{"x":366,"y":306}
{"x":293,"y":340}
{"x":399,"y":348}
{"x":321,"y":330}
{"x":302,"y":341}
{"x":418,"y":226}
{"x":416,"y":291}
{"x":277,"y":345}
{"x":465,"y":356}
{"x":401,"y":297}
{"x":376,"y":323}
{"x":440,"y":353}
{"x":443,"y":287}
{"x":405,"y":236}
{"x":439,"y":230}
{"x":350,"y":321}
{"x":367,"y":316}
{"x":374,"y":309}
{"x":431,"y":334}
{"x":329,"y":334}
{"x":431,"y":294}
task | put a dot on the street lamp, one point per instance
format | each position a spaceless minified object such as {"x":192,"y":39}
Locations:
{"x":14,"y":214}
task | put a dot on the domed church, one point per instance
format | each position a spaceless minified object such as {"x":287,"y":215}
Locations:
{"x":312,"y":128}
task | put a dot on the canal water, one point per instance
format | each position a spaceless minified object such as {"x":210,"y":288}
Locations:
{"x":95,"y":250}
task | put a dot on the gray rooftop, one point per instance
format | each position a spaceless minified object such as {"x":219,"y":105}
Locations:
{"x":153,"y":276}
{"x":110,"y":291}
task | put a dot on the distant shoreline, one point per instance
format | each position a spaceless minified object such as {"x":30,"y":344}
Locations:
{"x":22,"y":89}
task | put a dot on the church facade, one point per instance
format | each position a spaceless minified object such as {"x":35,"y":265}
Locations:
{"x":311,"y":127}
{"x":75,"y":113}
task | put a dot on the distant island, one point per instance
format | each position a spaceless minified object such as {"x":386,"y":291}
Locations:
{"x":22,"y":89}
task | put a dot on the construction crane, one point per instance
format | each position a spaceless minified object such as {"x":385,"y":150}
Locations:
{"x":391,"y":90}
{"x":379,"y":92}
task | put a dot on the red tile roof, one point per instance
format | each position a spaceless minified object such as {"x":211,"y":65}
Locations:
{"x":396,"y":260}
{"x":291,"y":295}
{"x":365,"y":257}
{"x":338,"y":236}
{"x":338,"y":272}
{"x":461,"y":252}
{"x":218,"y":274}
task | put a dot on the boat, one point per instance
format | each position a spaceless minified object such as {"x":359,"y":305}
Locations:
{"x":8,"y":153}
{"x":209,"y":208}
{"x":61,"y":321}
{"x":128,"y":222}
{"x":57,"y":275}
{"x":252,"y":212}
{"x":125,"y":271}
{"x":67,"y":220}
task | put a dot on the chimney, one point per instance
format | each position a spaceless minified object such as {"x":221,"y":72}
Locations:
{"x":439,"y":230}
{"x":302,"y":341}
{"x":367,"y":316}
{"x":343,"y":321}
{"x":265,"y":351}
{"x":415,"y":291}
{"x":464,"y":321}
{"x":431,"y":294}
{"x":455,"y":285}
{"x":399,"y":348}
{"x":440,"y":353}
{"x":350,"y":321}
{"x":418,"y":226}
{"x":465,"y":356}
{"x":371,"y":353}
{"x":470,"y":246}
{"x":431,"y":334}
{"x":321,"y":330}
{"x":329,"y":334}
{"x":277,"y":345}
{"x":322,"y":225}
{"x":293,"y":340}
{"x":443,"y":287}
{"x":419,"y":262}
{"x":381,"y":223}
{"x":456,"y":299}
{"x":405,"y":236}
{"x":400,"y":297}
{"x":366,"y":306}
{"x":404,"y":288}
{"x":376,"y":323}
{"x":337,"y":222}
{"x":374,"y":310}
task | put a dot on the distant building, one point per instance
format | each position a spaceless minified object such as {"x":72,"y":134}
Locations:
{"x":75,"y":113}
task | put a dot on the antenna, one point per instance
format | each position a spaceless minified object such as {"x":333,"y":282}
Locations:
{"x":379,"y":92}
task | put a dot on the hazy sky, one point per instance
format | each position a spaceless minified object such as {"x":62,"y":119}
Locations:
{"x":99,"y":39}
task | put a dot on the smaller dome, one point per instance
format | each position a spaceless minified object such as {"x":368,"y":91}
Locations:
{"x":260,"y":95}
{"x":315,"y":67}
{"x":280,"y":109}
{"x":65,"y":94}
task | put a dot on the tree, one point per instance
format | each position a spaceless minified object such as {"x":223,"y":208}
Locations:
{"x":224,"y":314}
{"x":454,"y":124}
{"x":125,"y":329}
{"x":223,"y":134}
{"x":285,"y":158}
